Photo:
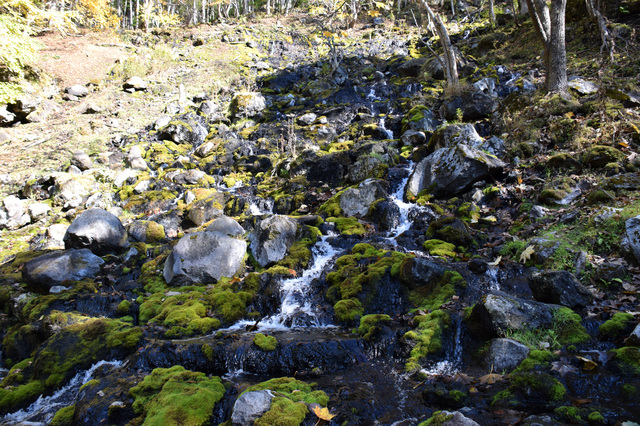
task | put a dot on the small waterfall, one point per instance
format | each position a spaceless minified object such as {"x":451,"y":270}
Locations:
{"x":296,"y":310}
{"x":387,"y":132}
{"x":397,"y":198}
{"x":260,"y":206}
{"x":43,"y":410}
{"x":453,"y":360}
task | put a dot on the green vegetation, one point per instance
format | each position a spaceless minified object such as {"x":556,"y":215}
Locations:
{"x":427,"y":337}
{"x":175,"y":396}
{"x":614,"y":327}
{"x":369,"y":325}
{"x":64,"y":416}
{"x":266,"y":343}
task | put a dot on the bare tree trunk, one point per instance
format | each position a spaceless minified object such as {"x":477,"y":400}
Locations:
{"x":607,"y":40}
{"x":450,"y":68}
{"x":492,"y":13}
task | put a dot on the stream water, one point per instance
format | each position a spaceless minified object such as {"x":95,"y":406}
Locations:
{"x":44,"y":408}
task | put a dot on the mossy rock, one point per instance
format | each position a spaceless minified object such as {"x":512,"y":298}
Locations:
{"x":266,"y":343}
{"x":370,"y":325}
{"x":551,"y":196}
{"x":175,"y":396}
{"x":627,"y":360}
{"x":437,"y":247}
{"x":64,"y":416}
{"x":427,"y":337}
{"x":598,"y":156}
{"x":616,"y":326}
{"x":452,"y":230}
{"x":536,"y":389}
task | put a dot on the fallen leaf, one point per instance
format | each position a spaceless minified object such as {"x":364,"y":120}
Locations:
{"x":579,"y":402}
{"x":587,"y":363}
{"x":323,"y":413}
{"x":491,"y":378}
{"x":526,"y":254}
{"x":496,"y":262}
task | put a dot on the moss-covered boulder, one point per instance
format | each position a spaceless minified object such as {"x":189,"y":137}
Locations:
{"x":598,"y":156}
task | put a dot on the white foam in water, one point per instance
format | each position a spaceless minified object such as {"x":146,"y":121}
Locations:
{"x":388,"y":132}
{"x":256,"y":210}
{"x":405,"y":208}
{"x":44,"y":408}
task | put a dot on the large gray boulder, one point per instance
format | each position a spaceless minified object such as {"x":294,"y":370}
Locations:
{"x":452,"y":171}
{"x":417,"y":272}
{"x":187,"y":128}
{"x":454,"y":134}
{"x":505,"y":355}
{"x":247,"y":104}
{"x":250,"y":406}
{"x":98,"y":230}
{"x":204,"y":257}
{"x":630,"y":244}
{"x":498,"y":312}
{"x":271,"y":239}
{"x":356,"y":201}
{"x":559,"y":287}
{"x":59,"y":267}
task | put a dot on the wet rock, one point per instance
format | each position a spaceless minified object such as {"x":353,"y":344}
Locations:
{"x":81,"y":160}
{"x":505,"y":355}
{"x":16,"y":214}
{"x":204,"y":210}
{"x":247,"y":105}
{"x":385,"y":214}
{"x":356,"y":201}
{"x":451,"y":171}
{"x":59,"y":267}
{"x":250,"y":406}
{"x":630,"y":244}
{"x":187,"y":128}
{"x":413,"y":138}
{"x":134,"y":83}
{"x":498,"y":311}
{"x":271,"y":239}
{"x":38,"y":211}
{"x":541,"y":421}
{"x":474,"y":106}
{"x":226,"y":225}
{"x":418,"y":272}
{"x":97,"y":230}
{"x":441,"y":395}
{"x":559,"y":287}
{"x":77,"y":90}
{"x":204,"y":257}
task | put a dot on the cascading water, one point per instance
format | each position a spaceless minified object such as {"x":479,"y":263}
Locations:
{"x":296,"y":310}
{"x":453,"y":360}
{"x":493,"y":278}
{"x":43,"y":410}
{"x":260,"y":206}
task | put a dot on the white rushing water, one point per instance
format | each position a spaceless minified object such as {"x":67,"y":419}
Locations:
{"x":44,"y":408}
{"x":296,"y":310}
{"x":260,"y":208}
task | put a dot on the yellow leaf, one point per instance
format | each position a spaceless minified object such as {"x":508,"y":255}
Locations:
{"x":569,"y":114}
{"x":496,"y":262}
{"x":587,"y":363}
{"x":491,"y":378}
{"x":328,"y":34}
{"x":343,"y":33}
{"x":634,"y":127}
{"x":288,"y":39}
{"x":526,"y":254}
{"x":472,"y":389}
{"x":323,"y":413}
{"x":373,"y":13}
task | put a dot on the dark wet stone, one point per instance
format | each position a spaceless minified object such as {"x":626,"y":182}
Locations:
{"x":559,"y":287}
{"x":60,"y":268}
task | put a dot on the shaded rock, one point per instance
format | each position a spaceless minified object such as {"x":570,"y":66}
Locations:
{"x":412,"y":67}
{"x":97,"y":230}
{"x":247,"y":104}
{"x":634,"y":337}
{"x":24,"y":106}
{"x":413,"y":137}
{"x":16,"y":214}
{"x":6,"y":117}
{"x":81,"y":160}
{"x":629,"y":181}
{"x":598,"y":156}
{"x":135,"y":83}
{"x":474,"y":106}
{"x":418,"y":272}
{"x":226,"y":225}
{"x":271,"y":239}
{"x":451,"y":171}
{"x":356,"y":201}
{"x":385,"y":214}
{"x":77,"y":90}
{"x":582,"y":86}
{"x":498,"y":311}
{"x":204,"y":257}
{"x":59,"y":267}
{"x":454,"y":134}
{"x":187,"y":128}
{"x":559,"y":287}
{"x":505,"y":355}
{"x":630,"y":244}
{"x":250,"y":406}
{"x":538,"y":212}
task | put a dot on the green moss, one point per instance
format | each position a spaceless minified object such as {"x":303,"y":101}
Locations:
{"x":266,"y":343}
{"x":348,"y":225}
{"x":628,"y":360}
{"x":123,"y":308}
{"x":550,"y":196}
{"x":348,"y":309}
{"x":369,"y":324}
{"x":12,"y":398}
{"x":569,"y":328}
{"x":283,"y":412}
{"x":438,"y":418}
{"x":90,"y":384}
{"x":614,"y":327}
{"x":596,"y":417}
{"x":295,"y":390}
{"x":155,"y":232}
{"x":332,"y":207}
{"x":64,"y":416}
{"x":458,"y":396}
{"x":427,"y":337}
{"x":151,"y":274}
{"x":440,"y":248}
{"x":435,"y":294}
{"x":537,"y":359}
{"x":537,"y":385}
{"x":299,"y":254}
{"x":175,"y":396}
{"x":571,"y":414}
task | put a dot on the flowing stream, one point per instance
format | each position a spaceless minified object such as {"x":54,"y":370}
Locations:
{"x":44,"y":408}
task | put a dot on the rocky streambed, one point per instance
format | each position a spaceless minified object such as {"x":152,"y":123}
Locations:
{"x":341,"y":245}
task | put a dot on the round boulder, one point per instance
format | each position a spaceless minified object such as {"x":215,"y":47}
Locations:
{"x":505,"y":355}
{"x":226,"y":225}
{"x":204,"y":257}
{"x":250,"y":406}
{"x":54,"y":269}
{"x":98,"y":230}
